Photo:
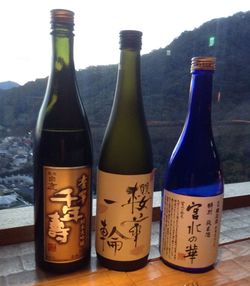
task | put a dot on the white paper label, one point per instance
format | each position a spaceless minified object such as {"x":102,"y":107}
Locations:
{"x":190,"y":229}
{"x":124,"y":215}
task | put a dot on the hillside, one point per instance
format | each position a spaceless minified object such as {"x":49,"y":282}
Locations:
{"x":8,"y":84}
{"x":165,"y":85}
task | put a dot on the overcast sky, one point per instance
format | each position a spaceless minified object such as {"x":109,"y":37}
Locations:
{"x":25,"y":51}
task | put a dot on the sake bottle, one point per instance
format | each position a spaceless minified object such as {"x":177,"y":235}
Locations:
{"x":62,"y":161}
{"x":125,"y":170}
{"x":193,"y":189}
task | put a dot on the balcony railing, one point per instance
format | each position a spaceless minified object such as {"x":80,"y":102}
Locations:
{"x":17,"y":224}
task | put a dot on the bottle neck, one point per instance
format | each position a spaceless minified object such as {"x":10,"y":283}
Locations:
{"x":128,"y":97}
{"x":62,"y":95}
{"x":62,"y":52}
{"x":200,"y":97}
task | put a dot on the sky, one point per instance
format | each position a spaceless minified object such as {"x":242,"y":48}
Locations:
{"x":25,"y":45}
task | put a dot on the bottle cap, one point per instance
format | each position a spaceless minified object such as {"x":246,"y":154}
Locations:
{"x":130,"y":39}
{"x":203,"y":63}
{"x":62,"y":16}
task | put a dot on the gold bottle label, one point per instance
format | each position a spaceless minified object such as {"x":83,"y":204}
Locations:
{"x":190,"y":229}
{"x":124,"y":215}
{"x":66,"y":208}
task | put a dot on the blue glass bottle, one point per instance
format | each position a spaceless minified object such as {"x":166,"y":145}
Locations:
{"x":193,"y":189}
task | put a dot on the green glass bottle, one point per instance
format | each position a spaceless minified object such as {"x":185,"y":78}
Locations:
{"x":125,"y":176}
{"x":62,"y":161}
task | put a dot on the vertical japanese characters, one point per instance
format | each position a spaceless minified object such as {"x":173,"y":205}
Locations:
{"x":125,"y":176}
{"x":193,"y":189}
{"x":124,"y":237}
{"x":197,"y":221}
{"x":62,"y":161}
{"x":66,"y":212}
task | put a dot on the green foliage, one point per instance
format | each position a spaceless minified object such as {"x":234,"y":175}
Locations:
{"x":165,"y":86}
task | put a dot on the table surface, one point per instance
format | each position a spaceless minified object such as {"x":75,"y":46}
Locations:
{"x":233,"y":268}
{"x":17,"y":263}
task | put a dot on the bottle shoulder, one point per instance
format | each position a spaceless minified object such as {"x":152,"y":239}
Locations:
{"x":126,"y":150}
{"x":195,"y":157}
{"x":62,"y":110}
{"x":192,"y":164}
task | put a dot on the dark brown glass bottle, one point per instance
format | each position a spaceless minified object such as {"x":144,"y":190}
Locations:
{"x":62,"y":161}
{"x":125,"y":171}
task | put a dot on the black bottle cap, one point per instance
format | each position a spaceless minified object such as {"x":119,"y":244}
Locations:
{"x":203,"y":63}
{"x":130,"y":39}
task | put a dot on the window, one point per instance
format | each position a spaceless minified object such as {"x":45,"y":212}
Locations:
{"x":171,"y":37}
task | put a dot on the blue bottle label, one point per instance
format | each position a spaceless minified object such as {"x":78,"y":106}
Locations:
{"x":190,"y":229}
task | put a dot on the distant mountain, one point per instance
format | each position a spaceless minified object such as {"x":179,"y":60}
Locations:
{"x":8,"y":85}
{"x":165,"y":86}
{"x":165,"y":78}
